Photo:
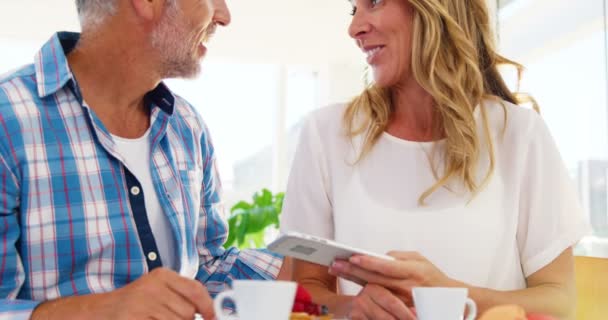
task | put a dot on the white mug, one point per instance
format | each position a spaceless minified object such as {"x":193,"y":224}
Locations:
{"x":443,"y":303}
{"x":257,"y":299}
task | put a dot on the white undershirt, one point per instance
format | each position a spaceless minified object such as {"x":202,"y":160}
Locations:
{"x":524,"y":217}
{"x":136,"y":154}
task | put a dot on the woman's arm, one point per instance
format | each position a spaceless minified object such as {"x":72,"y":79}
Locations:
{"x":551,"y":290}
{"x":322,"y":286}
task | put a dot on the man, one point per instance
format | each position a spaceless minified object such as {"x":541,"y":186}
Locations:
{"x":108,"y":190}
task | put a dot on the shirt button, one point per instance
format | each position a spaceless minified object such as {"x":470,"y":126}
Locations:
{"x":135,"y":190}
{"x":152,"y":256}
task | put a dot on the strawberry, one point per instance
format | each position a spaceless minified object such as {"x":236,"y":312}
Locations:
{"x":303,"y":295}
{"x":303,"y":303}
{"x":312,"y":309}
{"x":298,"y":307}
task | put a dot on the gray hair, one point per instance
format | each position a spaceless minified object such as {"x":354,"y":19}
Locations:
{"x":92,"y":13}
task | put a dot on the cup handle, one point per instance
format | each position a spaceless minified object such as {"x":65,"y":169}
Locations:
{"x":472,"y":309}
{"x":219,"y":302}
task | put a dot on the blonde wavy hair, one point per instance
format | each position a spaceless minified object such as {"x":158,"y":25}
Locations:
{"x":454,"y":59}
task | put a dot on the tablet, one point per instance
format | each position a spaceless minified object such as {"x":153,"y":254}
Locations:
{"x":316,"y":250}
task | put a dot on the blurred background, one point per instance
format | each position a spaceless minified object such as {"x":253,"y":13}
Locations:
{"x":280,"y":59}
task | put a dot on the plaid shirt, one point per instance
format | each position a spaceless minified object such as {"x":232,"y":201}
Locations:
{"x":70,"y":222}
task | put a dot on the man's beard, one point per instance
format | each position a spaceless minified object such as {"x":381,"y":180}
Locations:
{"x":173,"y":42}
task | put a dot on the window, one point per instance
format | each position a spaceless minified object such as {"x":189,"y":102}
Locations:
{"x":565,"y":58}
{"x":16,"y":53}
{"x":254,"y":89}
{"x":239,"y":103}
{"x":253,"y":111}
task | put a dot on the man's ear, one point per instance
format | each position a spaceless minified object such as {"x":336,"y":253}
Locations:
{"x":149,"y":10}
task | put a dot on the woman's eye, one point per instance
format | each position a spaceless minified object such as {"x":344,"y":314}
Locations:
{"x":373,"y":3}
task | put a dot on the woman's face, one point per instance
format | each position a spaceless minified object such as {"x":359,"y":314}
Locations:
{"x":383,"y":30}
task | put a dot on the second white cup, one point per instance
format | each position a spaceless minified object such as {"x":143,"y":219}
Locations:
{"x":443,"y":304}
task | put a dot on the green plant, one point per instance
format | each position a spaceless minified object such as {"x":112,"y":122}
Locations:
{"x":248,"y":221}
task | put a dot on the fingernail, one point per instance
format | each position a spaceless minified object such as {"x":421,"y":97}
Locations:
{"x":355,"y":260}
{"x":338,"y":265}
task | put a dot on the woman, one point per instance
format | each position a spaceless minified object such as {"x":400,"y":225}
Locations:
{"x":435,"y":162}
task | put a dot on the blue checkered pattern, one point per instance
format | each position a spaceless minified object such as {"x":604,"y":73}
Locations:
{"x":67,"y":223}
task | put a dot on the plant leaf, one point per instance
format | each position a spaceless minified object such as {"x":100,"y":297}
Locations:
{"x":249,"y":221}
{"x":241,"y":205}
{"x":241,"y":229}
{"x":231,"y":233}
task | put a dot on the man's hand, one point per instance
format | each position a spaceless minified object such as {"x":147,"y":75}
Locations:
{"x":286,"y":272}
{"x":161,"y":294}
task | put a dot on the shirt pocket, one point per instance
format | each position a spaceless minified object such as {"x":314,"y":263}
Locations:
{"x":192,"y":182}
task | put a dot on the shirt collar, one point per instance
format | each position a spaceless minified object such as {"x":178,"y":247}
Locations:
{"x":53,"y":72}
{"x":162,"y":97}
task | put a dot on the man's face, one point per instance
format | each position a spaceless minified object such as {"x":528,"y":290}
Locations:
{"x":182,"y":33}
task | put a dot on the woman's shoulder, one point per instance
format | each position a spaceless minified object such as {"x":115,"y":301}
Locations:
{"x":327,"y":120}
{"x":510,"y":120}
{"x":329,"y":114}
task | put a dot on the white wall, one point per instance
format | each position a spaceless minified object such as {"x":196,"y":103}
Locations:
{"x":525,"y":38}
{"x":30,"y":19}
{"x":310,"y":32}
{"x":285,"y":31}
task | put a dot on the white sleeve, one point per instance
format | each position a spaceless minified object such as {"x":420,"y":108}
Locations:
{"x":550,"y":216}
{"x":307,"y":207}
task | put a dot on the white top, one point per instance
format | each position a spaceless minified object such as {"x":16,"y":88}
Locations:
{"x":136,"y":156}
{"x":522,"y":220}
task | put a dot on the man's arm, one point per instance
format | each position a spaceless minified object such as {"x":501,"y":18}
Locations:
{"x":218,"y":267}
{"x":160,"y":294}
{"x":12,"y":275}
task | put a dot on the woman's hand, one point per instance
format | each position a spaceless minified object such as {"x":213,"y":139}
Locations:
{"x":376,"y":302}
{"x":550,"y":290}
{"x":408,"y":270}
